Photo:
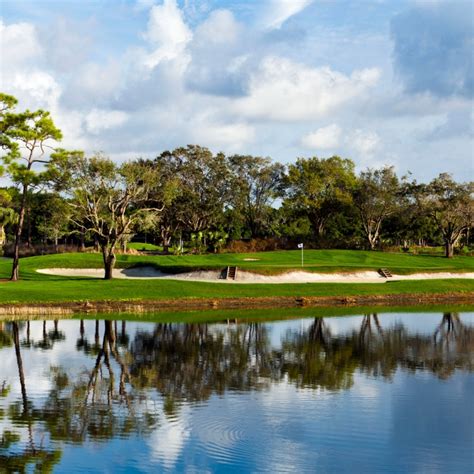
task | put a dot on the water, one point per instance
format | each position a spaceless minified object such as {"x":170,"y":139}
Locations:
{"x":368,"y":393}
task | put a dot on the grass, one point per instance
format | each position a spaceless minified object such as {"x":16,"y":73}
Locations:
{"x":37,"y":288}
{"x":262,"y":262}
{"x":142,"y":246}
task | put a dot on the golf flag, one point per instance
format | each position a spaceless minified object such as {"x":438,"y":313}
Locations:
{"x":300,"y":246}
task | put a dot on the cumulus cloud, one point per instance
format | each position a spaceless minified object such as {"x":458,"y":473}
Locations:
{"x":323,"y":138}
{"x":18,"y":44}
{"x":364,"y":142}
{"x":67,"y":45}
{"x":433,"y":45}
{"x":229,"y":136}
{"x":94,"y":83}
{"x":98,"y":120}
{"x":358,"y":143}
{"x":22,"y":76}
{"x":218,"y":66}
{"x":167,"y":32}
{"x":285,"y":90}
{"x":254,"y":78}
{"x":278,"y":11}
{"x":39,"y":88}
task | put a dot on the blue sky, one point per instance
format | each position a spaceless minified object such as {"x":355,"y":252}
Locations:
{"x":380,"y":81}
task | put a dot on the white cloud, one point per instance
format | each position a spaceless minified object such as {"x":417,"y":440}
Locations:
{"x":183,"y":73}
{"x":20,"y":53}
{"x":285,"y":90}
{"x":18,"y":44}
{"x":220,"y":27}
{"x":278,"y":11}
{"x":98,"y":120}
{"x":323,"y":138}
{"x":95,"y":84}
{"x":37,"y":88}
{"x":364,"y":142}
{"x":167,"y":33}
{"x":229,"y":136}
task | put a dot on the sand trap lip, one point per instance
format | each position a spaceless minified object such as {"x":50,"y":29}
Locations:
{"x":248,"y":277}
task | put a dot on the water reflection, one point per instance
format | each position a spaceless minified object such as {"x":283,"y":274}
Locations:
{"x":123,"y":383}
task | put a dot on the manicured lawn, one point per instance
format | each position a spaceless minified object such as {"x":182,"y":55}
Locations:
{"x":262,"y":262}
{"x":61,"y":290}
{"x":34,"y":287}
{"x":143,"y":246}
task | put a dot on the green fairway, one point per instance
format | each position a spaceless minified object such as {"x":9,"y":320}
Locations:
{"x":141,"y":246}
{"x":55,"y":289}
{"x":261,"y":262}
{"x":35,"y":287}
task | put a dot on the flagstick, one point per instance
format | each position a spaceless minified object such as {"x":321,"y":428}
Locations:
{"x":302,"y":258}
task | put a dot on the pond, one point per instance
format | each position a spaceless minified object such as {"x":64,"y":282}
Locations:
{"x":373,"y":392}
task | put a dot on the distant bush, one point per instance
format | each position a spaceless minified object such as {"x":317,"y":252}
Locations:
{"x":255,"y":245}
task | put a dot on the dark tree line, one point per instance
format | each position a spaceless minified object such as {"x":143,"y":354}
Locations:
{"x":190,"y":198}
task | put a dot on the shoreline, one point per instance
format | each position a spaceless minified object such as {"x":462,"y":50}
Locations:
{"x":150,"y":306}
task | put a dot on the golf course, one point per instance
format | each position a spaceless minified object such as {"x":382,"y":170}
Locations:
{"x":37,"y":288}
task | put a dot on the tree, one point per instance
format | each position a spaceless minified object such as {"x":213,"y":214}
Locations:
{"x":25,"y":136}
{"x":376,"y":197}
{"x":204,"y":186}
{"x":7,"y":215}
{"x":52,"y":217}
{"x":8,"y":120}
{"x":107,"y":199}
{"x":256,"y":183}
{"x":451,"y":206}
{"x":168,"y":190}
{"x":320,"y":188}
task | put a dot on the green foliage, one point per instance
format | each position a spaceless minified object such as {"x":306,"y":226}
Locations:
{"x":319,"y":189}
{"x":256,"y":184}
{"x":451,"y":206}
{"x":107,"y":199}
{"x":376,"y":197}
{"x":203,"y":182}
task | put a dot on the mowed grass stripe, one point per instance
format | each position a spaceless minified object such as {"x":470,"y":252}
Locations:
{"x":267,"y":263}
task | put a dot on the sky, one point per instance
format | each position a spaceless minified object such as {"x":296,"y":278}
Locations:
{"x":383,"y":82}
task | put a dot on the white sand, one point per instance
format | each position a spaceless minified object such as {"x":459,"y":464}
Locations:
{"x":248,"y":277}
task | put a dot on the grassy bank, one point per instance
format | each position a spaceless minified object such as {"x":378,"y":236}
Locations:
{"x":77,"y":289}
{"x":38,"y":288}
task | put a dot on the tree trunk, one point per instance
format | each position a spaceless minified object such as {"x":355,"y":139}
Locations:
{"x":449,"y":249}
{"x":16,"y":249}
{"x":109,"y":262}
{"x":28,"y":227}
{"x":372,"y":242}
{"x":82,"y":244}
{"x":166,"y":240}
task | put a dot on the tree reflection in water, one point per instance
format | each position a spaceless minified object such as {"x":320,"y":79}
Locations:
{"x":181,"y":363}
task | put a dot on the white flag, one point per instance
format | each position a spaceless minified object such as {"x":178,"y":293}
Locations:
{"x":300,"y":246}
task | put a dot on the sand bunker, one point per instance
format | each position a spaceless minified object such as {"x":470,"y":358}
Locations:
{"x":248,"y":277}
